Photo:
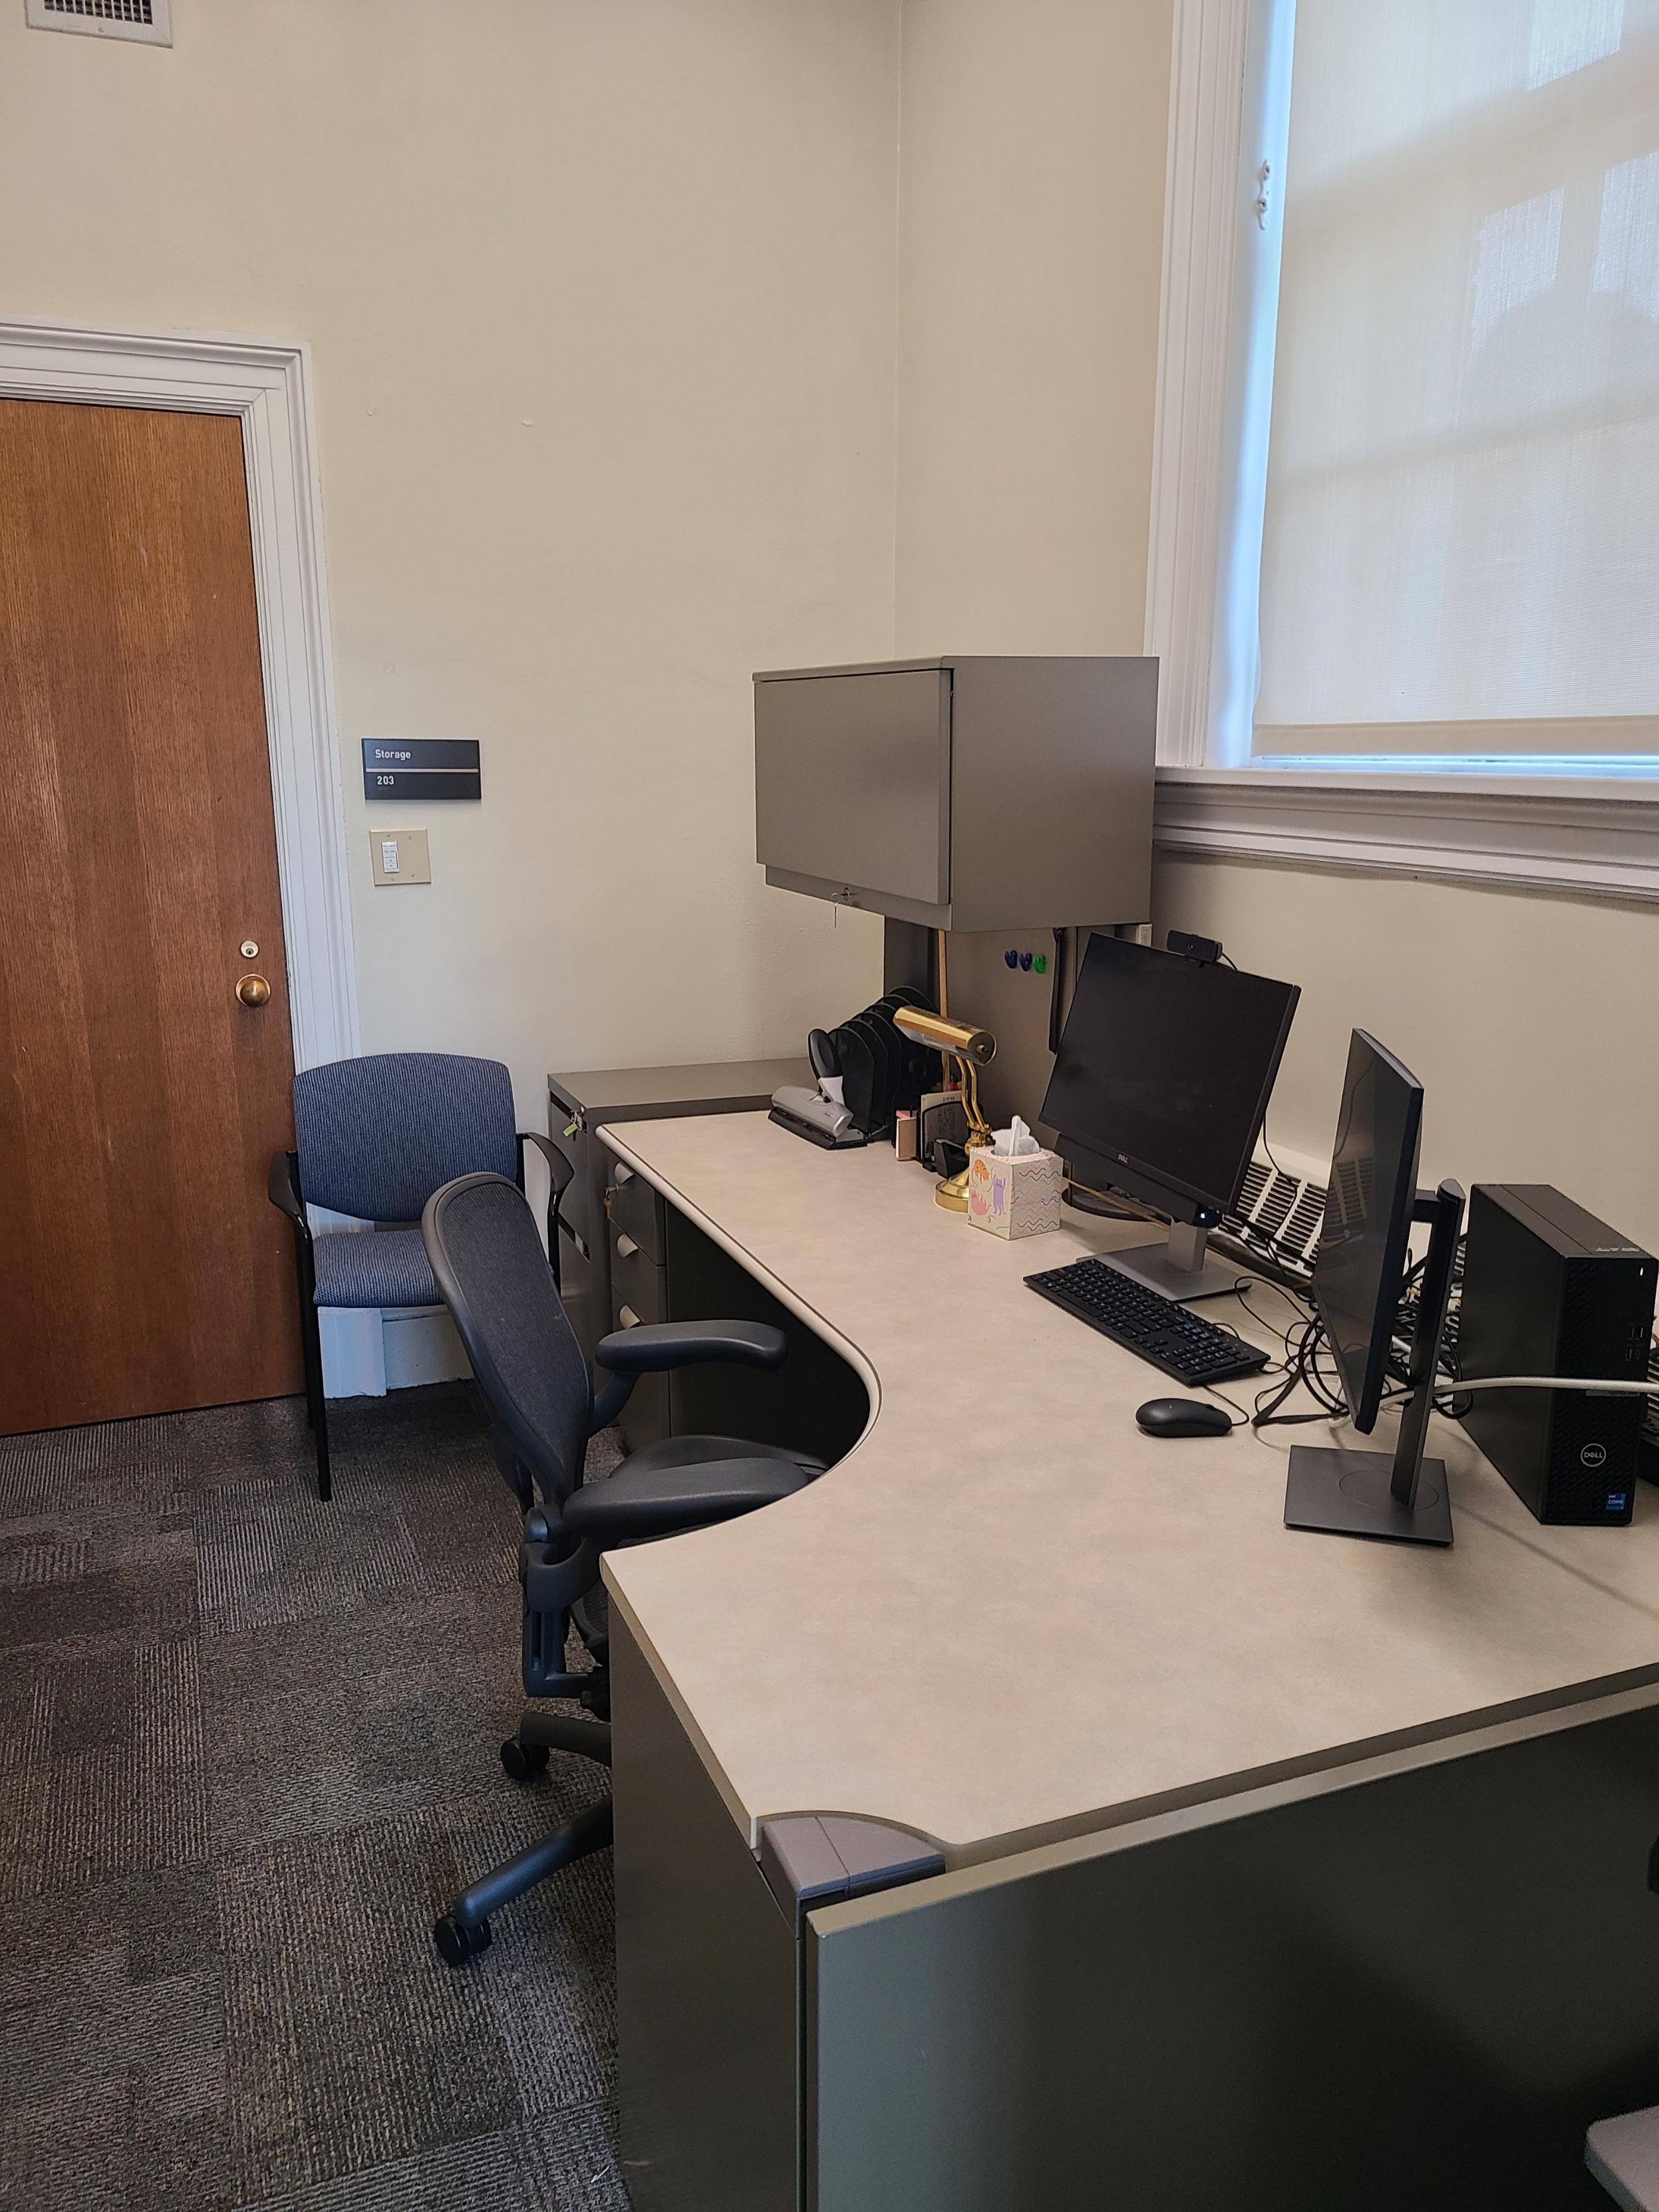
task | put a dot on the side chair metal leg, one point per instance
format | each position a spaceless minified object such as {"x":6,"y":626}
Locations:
{"x":320,"y":1435}
{"x":285,"y":1195}
{"x":463,"y":1930}
{"x":311,"y":1347}
{"x":316,"y":1404}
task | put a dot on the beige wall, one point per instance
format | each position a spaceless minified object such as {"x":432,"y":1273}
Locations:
{"x":601,"y":301}
{"x":1030,"y":230}
{"x":1529,"y":1020}
{"x":619,"y":399}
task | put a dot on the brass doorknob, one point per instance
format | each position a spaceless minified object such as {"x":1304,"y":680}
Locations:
{"x":253,"y":991}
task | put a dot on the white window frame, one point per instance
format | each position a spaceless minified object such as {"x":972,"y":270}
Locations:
{"x":1589,"y":835}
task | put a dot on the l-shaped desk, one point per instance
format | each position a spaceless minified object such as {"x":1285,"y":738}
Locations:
{"x":1278,"y":1870}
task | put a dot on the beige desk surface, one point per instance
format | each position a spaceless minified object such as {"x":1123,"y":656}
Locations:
{"x":1008,"y":1614}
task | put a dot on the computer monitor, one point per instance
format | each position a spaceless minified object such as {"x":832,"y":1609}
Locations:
{"x":1365,"y":1243}
{"x":1358,"y":1279}
{"x":1160,"y":1088}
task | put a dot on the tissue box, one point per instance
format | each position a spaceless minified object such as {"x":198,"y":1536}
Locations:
{"x":1016,"y":1196}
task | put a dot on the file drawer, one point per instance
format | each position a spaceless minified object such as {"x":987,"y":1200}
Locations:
{"x":635,"y":1211}
{"x":636,"y":1281}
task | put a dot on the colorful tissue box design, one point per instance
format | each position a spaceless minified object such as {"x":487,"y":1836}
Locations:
{"x":1013,"y":1197}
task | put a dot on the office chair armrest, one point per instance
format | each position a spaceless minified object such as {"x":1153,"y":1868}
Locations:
{"x":557,"y":1166}
{"x":628,"y":1506}
{"x":560,"y":1172}
{"x":655,"y":1347}
{"x":282,"y":1186}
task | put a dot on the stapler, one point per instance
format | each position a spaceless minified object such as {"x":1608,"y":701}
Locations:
{"x":820,"y":1120}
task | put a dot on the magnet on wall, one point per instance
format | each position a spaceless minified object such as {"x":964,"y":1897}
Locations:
{"x":1010,"y":958}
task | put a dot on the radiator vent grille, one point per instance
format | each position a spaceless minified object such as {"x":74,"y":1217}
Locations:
{"x":149,"y":22}
{"x":1276,"y":1219}
{"x":1276,"y":1225}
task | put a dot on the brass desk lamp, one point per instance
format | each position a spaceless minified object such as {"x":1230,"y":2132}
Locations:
{"x":970,"y":1048}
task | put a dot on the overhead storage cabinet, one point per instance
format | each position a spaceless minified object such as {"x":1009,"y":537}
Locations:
{"x":964,"y":794}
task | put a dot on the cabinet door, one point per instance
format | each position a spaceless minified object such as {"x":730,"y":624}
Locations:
{"x":1419,"y":1989}
{"x":853,"y":779}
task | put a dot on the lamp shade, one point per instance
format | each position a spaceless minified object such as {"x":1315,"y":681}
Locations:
{"x":943,"y":1035}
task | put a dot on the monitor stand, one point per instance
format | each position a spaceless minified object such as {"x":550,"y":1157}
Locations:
{"x":1179,"y":1268}
{"x":1405,"y":1500}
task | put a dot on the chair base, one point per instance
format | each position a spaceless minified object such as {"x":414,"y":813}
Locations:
{"x":464,"y":1931}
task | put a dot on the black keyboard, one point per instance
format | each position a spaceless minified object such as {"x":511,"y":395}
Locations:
{"x":1151,"y":1326}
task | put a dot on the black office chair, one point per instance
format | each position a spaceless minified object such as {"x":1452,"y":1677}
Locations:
{"x":480,"y":1236}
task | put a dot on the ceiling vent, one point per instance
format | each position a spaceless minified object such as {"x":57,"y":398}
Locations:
{"x":149,"y":22}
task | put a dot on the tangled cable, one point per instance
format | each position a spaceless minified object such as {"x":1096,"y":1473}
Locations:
{"x":1309,"y":1363}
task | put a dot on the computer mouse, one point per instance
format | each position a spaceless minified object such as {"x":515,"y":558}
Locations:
{"x":1182,"y":1417}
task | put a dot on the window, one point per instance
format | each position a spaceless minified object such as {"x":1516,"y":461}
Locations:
{"x":1430,"y":401}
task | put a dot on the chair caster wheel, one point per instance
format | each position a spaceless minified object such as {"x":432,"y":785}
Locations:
{"x":524,"y":1760}
{"x":457,"y":1944}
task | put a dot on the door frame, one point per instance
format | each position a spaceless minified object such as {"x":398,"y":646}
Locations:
{"x":268,"y":387}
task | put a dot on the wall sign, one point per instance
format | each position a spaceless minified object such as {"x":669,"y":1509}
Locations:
{"x":420,"y":768}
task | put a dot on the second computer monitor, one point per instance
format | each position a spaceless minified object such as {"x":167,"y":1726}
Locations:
{"x":1161,"y":1085}
{"x":1365,"y":1251}
{"x":1364,"y":1244}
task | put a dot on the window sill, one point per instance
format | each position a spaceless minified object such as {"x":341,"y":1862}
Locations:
{"x":1589,"y":837}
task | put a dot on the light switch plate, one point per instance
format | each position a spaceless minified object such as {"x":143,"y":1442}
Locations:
{"x":400,"y":856}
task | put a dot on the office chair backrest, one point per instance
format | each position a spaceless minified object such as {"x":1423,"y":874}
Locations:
{"x":377,"y":1136}
{"x":480,"y":1236}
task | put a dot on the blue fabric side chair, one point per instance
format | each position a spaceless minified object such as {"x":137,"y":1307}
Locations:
{"x":375,"y":1138}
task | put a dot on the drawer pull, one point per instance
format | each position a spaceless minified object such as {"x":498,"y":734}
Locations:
{"x":628,"y":1317}
{"x":624,"y":1174}
{"x":626,"y":1248}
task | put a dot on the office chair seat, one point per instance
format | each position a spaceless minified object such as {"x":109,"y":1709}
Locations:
{"x":669,"y":1453}
{"x":373,"y":1267}
{"x":637,"y":1502}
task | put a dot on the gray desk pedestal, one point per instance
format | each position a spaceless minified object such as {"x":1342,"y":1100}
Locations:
{"x":1401,"y":1983}
{"x":577,"y":1104}
{"x":706,"y":1976}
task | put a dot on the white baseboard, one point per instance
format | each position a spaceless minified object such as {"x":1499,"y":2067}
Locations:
{"x":352,"y":1362}
{"x":421,"y":1348}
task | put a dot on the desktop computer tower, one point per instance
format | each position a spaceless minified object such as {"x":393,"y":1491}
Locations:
{"x":1549,"y":1290}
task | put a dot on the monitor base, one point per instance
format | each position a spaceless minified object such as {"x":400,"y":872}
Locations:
{"x":1156,"y":1265}
{"x":1350,"y":1493}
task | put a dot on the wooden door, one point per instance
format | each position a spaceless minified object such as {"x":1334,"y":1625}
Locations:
{"x":142,"y":1268}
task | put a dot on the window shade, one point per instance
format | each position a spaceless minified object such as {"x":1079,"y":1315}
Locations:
{"x":1461,"y":541}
